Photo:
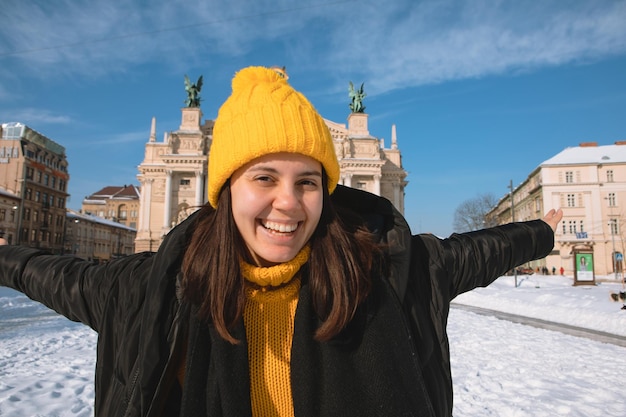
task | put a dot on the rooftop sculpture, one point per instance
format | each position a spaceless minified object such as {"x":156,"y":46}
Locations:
{"x":356,"y":97}
{"x":193,"y":92}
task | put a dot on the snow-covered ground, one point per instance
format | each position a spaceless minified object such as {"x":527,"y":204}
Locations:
{"x":499,"y":368}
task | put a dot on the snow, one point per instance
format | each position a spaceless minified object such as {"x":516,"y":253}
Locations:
{"x":499,"y":368}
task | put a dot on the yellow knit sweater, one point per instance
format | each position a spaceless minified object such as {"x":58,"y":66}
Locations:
{"x":269,"y":313}
{"x":269,"y":320}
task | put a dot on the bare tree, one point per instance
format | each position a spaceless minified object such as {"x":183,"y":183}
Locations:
{"x":472,"y":214}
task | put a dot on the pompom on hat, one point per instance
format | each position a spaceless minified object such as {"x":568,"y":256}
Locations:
{"x":265,"y":115}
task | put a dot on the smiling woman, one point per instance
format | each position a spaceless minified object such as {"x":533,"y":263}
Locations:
{"x":286,"y":294}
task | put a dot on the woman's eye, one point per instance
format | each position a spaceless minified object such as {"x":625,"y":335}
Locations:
{"x":309,"y":183}
{"x":263,"y":178}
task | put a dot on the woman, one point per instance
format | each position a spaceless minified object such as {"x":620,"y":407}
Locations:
{"x":286,"y":294}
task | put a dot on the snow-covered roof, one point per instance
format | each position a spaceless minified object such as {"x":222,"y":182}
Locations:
{"x":589,"y":155}
{"x":7,"y":193}
{"x":95,"y":219}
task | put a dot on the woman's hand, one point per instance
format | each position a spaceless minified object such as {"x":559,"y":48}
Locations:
{"x":553,"y":217}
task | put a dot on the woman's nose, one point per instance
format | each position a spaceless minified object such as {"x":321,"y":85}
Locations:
{"x":287,"y":198}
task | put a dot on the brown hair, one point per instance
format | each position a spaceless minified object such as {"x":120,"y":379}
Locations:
{"x":343,"y":255}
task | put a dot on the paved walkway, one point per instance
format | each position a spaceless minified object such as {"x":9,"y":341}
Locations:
{"x":548,"y":325}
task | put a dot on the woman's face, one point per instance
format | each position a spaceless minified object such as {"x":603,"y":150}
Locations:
{"x":277,"y":204}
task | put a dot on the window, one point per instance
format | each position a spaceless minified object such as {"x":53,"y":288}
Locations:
{"x":572,"y":226}
{"x":12,"y":131}
{"x":569,"y":177}
{"x":46,"y":180}
{"x":613,"y":226}
{"x":3,"y":214}
{"x":611,"y":199}
{"x":37,"y":196}
{"x":609,"y":175}
{"x":184,"y":181}
{"x":571,"y":200}
{"x":582,"y":229}
{"x":28,"y":195}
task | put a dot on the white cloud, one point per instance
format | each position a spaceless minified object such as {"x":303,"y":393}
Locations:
{"x":440,"y":41}
{"x":40,"y":116}
{"x":138,"y":138}
{"x":391,"y":45}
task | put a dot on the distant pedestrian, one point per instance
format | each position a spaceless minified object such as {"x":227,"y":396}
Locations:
{"x":562,"y":270}
{"x":554,"y":270}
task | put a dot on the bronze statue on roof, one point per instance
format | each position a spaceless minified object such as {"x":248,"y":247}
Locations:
{"x":193,"y":92}
{"x":356,"y":97}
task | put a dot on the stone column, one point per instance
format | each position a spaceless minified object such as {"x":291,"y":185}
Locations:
{"x":377,"y":184}
{"x":146,"y":200}
{"x":347,"y":180}
{"x":199,"y":187}
{"x":167,"y":206}
{"x":396,"y":195}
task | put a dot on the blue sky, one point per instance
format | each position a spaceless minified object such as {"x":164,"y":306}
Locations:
{"x":481,"y":91}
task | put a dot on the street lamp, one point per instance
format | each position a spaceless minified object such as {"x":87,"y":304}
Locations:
{"x":612,"y":230}
{"x":513,"y":221}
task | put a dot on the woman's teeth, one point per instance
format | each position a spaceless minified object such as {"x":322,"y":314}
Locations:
{"x":280,"y":227}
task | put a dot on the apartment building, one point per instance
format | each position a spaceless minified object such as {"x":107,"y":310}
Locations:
{"x":116,"y":203}
{"x":97,"y":239}
{"x":34,"y":169}
{"x":589,"y":183}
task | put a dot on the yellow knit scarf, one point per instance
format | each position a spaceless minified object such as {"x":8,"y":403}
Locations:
{"x":275,"y":275}
{"x":269,"y":316}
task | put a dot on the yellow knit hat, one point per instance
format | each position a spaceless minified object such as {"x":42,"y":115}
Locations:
{"x":265,"y":115}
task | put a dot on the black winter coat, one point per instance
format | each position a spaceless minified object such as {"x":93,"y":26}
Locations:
{"x":392,"y":360}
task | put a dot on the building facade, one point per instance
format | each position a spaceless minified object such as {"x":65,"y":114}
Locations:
{"x":116,"y":203}
{"x":34,"y":169}
{"x":9,"y":206}
{"x":97,"y":239}
{"x":589,"y":183}
{"x":173,"y":174}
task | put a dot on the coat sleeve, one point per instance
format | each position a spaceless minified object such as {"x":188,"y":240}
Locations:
{"x":440,"y":269}
{"x":465,"y":261}
{"x":75,"y":288}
